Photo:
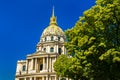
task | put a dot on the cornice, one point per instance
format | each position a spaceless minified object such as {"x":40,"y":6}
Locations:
{"x":36,"y":74}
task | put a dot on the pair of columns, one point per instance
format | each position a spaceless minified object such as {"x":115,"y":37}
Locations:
{"x":48,"y":64}
{"x":33,"y":65}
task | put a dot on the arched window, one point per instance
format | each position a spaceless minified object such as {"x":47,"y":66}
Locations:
{"x":41,"y":66}
{"x":52,"y":38}
{"x":60,"y":51}
{"x":45,"y":39}
{"x":58,"y":38}
{"x":51,"y":49}
{"x":44,"y":49}
{"x":23,"y":68}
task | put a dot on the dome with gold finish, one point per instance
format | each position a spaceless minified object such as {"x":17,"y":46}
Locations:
{"x":53,"y":28}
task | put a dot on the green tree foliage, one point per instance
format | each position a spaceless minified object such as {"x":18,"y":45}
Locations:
{"x":65,"y":68}
{"x":61,"y":65}
{"x":94,"y":43}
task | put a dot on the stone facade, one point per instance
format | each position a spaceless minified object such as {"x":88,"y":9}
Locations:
{"x":39,"y":65}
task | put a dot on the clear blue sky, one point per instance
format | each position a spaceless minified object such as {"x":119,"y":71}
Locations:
{"x":22,"y":22}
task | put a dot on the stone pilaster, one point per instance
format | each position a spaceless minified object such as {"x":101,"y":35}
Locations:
{"x":34,"y":78}
{"x":27,"y":65}
{"x":35,"y":64}
{"x":31,"y":64}
{"x":43,"y":63}
{"x":57,"y":48}
{"x":43,"y":78}
{"x":30,"y":78}
{"x":25,"y":78}
{"x":50,"y":68}
{"x":46,"y":77}
{"x":63,"y":50}
{"x":49,"y":77}
{"x":55,"y":78}
{"x":47,"y":64}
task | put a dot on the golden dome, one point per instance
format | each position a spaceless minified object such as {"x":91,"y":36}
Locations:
{"x":53,"y":28}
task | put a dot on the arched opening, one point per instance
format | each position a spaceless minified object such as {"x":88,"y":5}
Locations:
{"x":23,"y":68}
{"x":60,"y":51}
{"x":41,"y":67}
{"x":51,"y":49}
{"x":52,"y":38}
{"x":45,"y":39}
{"x":58,"y":38}
{"x":44,"y":49}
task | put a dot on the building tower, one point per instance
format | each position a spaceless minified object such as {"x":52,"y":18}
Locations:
{"x":39,"y":65}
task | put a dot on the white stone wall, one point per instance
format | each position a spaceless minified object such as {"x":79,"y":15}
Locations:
{"x":20,"y":66}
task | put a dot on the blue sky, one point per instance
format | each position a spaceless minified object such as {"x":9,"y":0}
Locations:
{"x":22,"y":23}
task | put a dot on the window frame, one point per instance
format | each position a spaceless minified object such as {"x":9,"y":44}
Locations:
{"x":58,"y":38}
{"x":45,"y":39}
{"x":24,"y":68}
{"x":59,"y":51}
{"x":52,"y":38}
{"x":52,"y":49}
{"x":44,"y":49}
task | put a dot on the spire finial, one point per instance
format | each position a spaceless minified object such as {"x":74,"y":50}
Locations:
{"x":53,"y":11}
{"x":53,"y":18}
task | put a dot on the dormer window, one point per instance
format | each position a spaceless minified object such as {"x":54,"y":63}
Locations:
{"x":52,"y":38}
{"x":51,"y":49}
{"x":58,"y":38}
{"x":23,"y":68}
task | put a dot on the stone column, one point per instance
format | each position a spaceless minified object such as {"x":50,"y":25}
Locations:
{"x":31,"y":64}
{"x":27,"y":66}
{"x":47,"y":49}
{"x":30,"y":78}
{"x":50,"y":68}
{"x":47,"y":64}
{"x":43,"y":63}
{"x":25,"y":78}
{"x":53,"y":64}
{"x":49,"y":77}
{"x":55,"y":78}
{"x":57,"y":48}
{"x":46,"y":77}
{"x":34,"y":78}
{"x":63,"y":50}
{"x":35,"y":64}
{"x":43,"y":78}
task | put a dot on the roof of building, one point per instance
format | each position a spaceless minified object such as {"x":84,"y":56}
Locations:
{"x":53,"y":28}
